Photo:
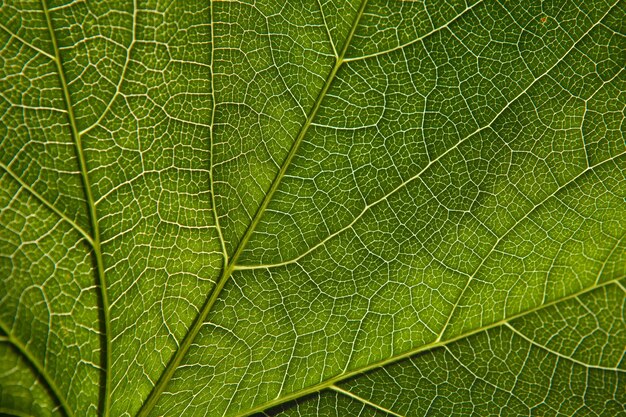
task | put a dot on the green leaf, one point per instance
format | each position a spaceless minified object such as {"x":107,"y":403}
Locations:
{"x":312,"y":208}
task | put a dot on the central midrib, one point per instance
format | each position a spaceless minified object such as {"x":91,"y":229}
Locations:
{"x":229,"y":266}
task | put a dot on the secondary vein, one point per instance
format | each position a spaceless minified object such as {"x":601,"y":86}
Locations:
{"x":212,"y":141}
{"x":97,"y":251}
{"x":364,"y":401}
{"x":36,"y":364}
{"x":48,"y":204}
{"x":229,"y":266}
{"x":330,"y":382}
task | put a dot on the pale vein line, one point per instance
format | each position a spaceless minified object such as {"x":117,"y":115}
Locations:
{"x":212,"y":141}
{"x":363,"y":400}
{"x":416,"y":40}
{"x":405,"y":355}
{"x":272,"y":53}
{"x":561,"y":355}
{"x":25,"y":42}
{"x":48,"y":204}
{"x":330,"y":37}
{"x":608,"y":258}
{"x":485,"y":378}
{"x":122,"y":75}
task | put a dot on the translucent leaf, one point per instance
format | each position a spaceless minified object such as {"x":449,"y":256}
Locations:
{"x":312,"y":208}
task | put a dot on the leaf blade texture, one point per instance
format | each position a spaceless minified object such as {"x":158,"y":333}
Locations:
{"x":322,"y":208}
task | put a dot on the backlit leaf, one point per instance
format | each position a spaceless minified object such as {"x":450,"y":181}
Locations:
{"x":317,"y":208}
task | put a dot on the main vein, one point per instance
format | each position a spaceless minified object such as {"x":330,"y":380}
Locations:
{"x":229,"y":265}
{"x":95,"y":229}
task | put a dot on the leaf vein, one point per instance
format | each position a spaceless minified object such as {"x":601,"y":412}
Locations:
{"x":40,"y":369}
{"x":403,"y":184}
{"x":416,"y":40}
{"x":363,"y":400}
{"x":407,"y":354}
{"x":561,"y":355}
{"x":48,"y":204}
{"x":227,"y":270}
{"x":97,"y":251}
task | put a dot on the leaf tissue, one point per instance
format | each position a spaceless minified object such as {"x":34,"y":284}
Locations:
{"x":312,"y":208}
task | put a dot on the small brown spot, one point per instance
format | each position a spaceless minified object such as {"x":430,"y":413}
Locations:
{"x":544,"y":19}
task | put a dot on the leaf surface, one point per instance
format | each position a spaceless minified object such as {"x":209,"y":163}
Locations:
{"x":328,"y":208}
